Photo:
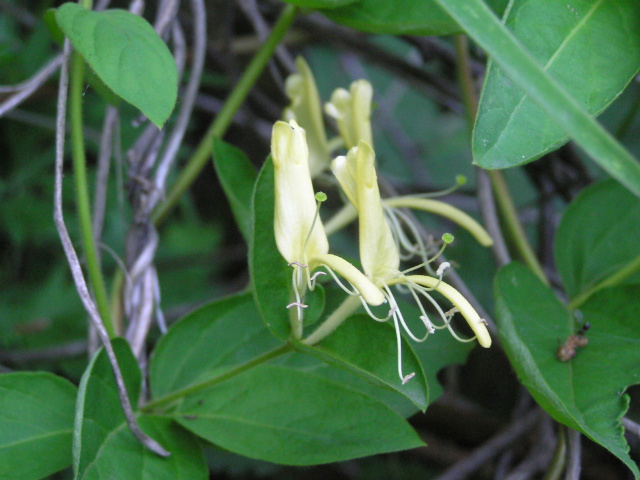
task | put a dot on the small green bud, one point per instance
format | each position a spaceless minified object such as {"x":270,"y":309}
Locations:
{"x":321,"y":197}
{"x":447,"y":238}
{"x":461,"y":180}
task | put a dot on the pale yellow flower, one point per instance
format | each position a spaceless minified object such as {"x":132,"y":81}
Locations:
{"x":305,"y":108}
{"x":299,"y":233}
{"x":352,"y":112}
{"x":380,"y":257}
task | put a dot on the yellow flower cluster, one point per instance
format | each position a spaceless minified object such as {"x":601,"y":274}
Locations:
{"x":301,"y":236}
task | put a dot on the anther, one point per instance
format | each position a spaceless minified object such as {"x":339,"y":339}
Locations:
{"x":452,"y":312}
{"x":316,"y":275}
{"x":443,"y":266}
{"x":408,"y":377}
{"x":297,"y":304}
{"x":430,"y":328}
{"x":299,"y":264}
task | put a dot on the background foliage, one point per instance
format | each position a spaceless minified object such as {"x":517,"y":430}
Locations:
{"x":457,"y":90}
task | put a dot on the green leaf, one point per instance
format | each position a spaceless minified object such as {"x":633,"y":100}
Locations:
{"x":50,"y":21}
{"x":270,"y":275}
{"x":593,"y":254}
{"x":128,"y":56}
{"x":416,"y":17}
{"x":320,"y":3}
{"x":498,"y":41}
{"x":291,"y":417}
{"x":104,"y":447}
{"x":237,"y":175}
{"x":591,"y":48}
{"x":36,"y":424}
{"x":208,"y":341}
{"x":369,"y":350}
{"x":585,"y":393}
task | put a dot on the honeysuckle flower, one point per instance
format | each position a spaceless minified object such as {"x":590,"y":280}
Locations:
{"x":381,"y":259}
{"x":299,"y":233}
{"x":352,"y":112}
{"x":305,"y":108}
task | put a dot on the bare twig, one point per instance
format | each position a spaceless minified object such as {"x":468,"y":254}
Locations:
{"x":539,"y":455}
{"x":165,"y":15}
{"x":76,"y":269}
{"x":26,"y":88}
{"x":574,"y":454}
{"x":260,"y":25}
{"x":104,"y":161}
{"x":188,"y":99}
{"x":631,"y":426}
{"x":58,"y":352}
{"x":142,"y":295}
{"x":490,"y":218}
{"x":492,"y":447}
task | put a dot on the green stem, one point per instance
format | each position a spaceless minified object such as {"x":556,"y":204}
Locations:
{"x":559,"y":456}
{"x":339,"y":315}
{"x":198,"y":387}
{"x":513,"y":225}
{"x":224,"y":118}
{"x":82,"y":193}
{"x":500,"y":188}
{"x":614,"y":279}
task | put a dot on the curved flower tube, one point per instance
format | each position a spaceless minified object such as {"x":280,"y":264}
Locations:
{"x":300,"y":235}
{"x":380,"y":256}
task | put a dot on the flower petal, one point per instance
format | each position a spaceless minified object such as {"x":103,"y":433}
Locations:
{"x":306,"y":109}
{"x":352,"y":111}
{"x":378,"y":250}
{"x":295,"y":204}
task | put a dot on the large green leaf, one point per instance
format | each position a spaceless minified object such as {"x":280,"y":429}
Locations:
{"x":208,"y":341}
{"x":506,"y":51}
{"x":35,"y":425}
{"x":237,"y":175}
{"x":591,"y":48}
{"x":287,"y":416}
{"x":586,"y":392}
{"x":104,"y":447}
{"x":128,"y":56}
{"x":598,"y":239}
{"x":270,"y":275}
{"x":369,"y":349}
{"x":415,"y":17}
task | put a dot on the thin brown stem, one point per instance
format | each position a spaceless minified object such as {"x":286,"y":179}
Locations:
{"x":76,"y":269}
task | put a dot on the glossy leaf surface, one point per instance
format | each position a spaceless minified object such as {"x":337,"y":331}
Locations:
{"x":128,"y":56}
{"x":36,"y":424}
{"x":415,"y":17}
{"x":292,"y":417}
{"x":597,"y":239}
{"x":369,"y":349}
{"x":209,"y":340}
{"x":590,"y":47}
{"x":587,"y":392}
{"x":237,"y":175}
{"x":104,"y":447}
{"x":498,"y":41}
